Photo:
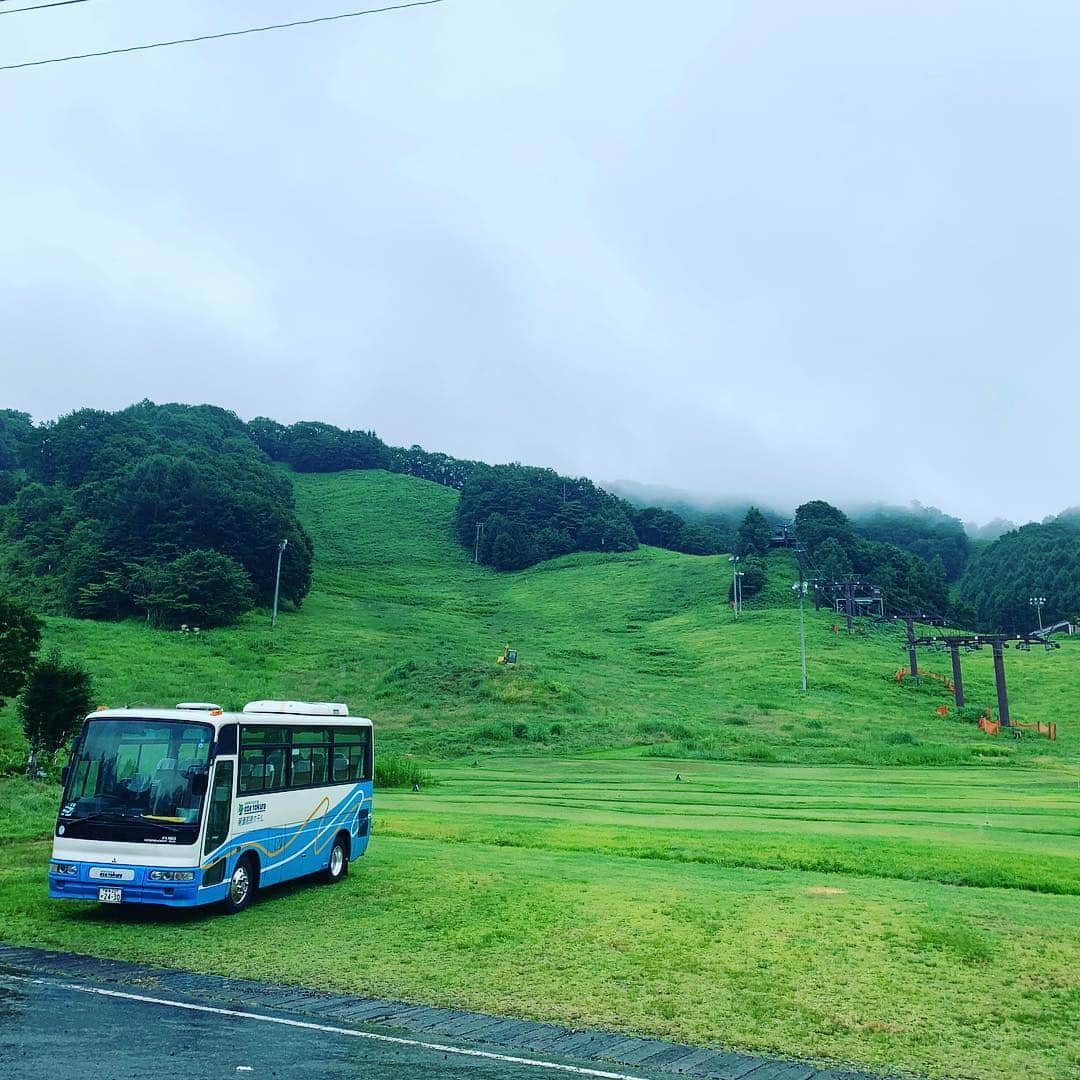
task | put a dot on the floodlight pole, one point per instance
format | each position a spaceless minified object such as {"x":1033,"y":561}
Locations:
{"x":734,"y":560}
{"x":277,"y":580}
{"x":801,"y":587}
{"x":802,"y":627}
{"x":479,"y":532}
{"x":1037,"y":603}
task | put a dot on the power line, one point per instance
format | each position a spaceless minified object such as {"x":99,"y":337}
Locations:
{"x":225,"y":34}
{"x":39,"y":7}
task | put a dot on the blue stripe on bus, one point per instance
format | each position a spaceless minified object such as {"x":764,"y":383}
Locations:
{"x":271,"y":842}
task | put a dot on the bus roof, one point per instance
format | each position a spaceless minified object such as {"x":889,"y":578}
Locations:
{"x":298,"y":708}
{"x":200,"y":716}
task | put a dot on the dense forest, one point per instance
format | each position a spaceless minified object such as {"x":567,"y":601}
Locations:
{"x":308,"y":446}
{"x":520,"y":515}
{"x":835,"y":551}
{"x":921,"y":530}
{"x":1035,"y":560}
{"x":168,"y":512}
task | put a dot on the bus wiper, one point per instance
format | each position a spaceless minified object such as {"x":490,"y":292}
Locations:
{"x":98,"y":815}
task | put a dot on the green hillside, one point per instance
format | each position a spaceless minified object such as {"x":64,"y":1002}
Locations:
{"x":645,"y":825}
{"x":630,"y":650}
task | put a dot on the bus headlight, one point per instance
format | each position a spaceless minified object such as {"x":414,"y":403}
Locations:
{"x":172,"y":875}
{"x":64,"y":868}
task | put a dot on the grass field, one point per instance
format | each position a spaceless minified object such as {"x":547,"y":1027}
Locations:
{"x":843,"y":874}
{"x":594,"y":892}
{"x":616,"y":651}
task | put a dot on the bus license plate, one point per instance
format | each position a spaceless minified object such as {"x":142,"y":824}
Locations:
{"x":109,"y":896}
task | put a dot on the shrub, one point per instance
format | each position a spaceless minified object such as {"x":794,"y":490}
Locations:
{"x":56,"y":698}
{"x":202,"y":587}
{"x":20,"y":636}
{"x":392,"y":770}
{"x":899,"y":738}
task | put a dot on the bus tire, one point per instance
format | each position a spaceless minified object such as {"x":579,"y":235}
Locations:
{"x":243,"y":885}
{"x":338,"y":865}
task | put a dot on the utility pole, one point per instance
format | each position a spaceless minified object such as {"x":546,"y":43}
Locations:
{"x":479,"y":533}
{"x":734,"y":560}
{"x":997,"y":643}
{"x":957,"y":674}
{"x":277,"y":581}
{"x":1037,"y":603}
{"x":849,"y":604}
{"x":913,"y":657}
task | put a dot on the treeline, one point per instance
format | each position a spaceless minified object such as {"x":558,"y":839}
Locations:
{"x":1035,"y":560}
{"x":835,"y":551}
{"x":921,"y":530}
{"x":519,"y":515}
{"x":169,"y":512}
{"x":309,"y":446}
{"x":528,"y":514}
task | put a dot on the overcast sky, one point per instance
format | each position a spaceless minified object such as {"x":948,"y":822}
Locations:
{"x":784,"y":249}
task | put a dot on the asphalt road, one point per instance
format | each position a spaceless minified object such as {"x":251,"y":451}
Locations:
{"x":51,"y":1031}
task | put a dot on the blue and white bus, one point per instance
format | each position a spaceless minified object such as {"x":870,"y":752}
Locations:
{"x":194,"y":805}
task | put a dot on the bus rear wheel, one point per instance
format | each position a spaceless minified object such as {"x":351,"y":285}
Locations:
{"x":243,"y":885}
{"x":338,"y":865}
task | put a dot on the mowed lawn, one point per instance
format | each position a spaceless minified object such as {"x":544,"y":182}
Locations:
{"x":1000,"y":827}
{"x":842,"y":873}
{"x":594,"y":893}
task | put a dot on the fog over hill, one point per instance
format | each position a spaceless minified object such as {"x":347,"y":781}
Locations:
{"x":829,"y":252}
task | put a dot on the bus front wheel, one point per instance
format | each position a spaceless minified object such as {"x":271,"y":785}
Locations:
{"x":242,"y":885}
{"x":338,"y":865}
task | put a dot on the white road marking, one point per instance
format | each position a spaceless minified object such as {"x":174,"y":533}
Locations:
{"x":577,"y":1070}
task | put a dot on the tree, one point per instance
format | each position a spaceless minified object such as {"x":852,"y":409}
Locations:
{"x":57,"y":696}
{"x":754,"y":575}
{"x":16,"y":431}
{"x":202,"y":587}
{"x":816,"y":521}
{"x":752,"y":536}
{"x":831,"y":562}
{"x":20,"y":638}
{"x":141,"y":487}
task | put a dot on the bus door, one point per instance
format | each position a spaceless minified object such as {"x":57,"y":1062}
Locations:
{"x":218,"y":818}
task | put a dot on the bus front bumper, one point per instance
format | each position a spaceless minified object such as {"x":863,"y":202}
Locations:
{"x":133,"y":883}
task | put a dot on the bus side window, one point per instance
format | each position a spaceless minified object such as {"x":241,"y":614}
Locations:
{"x":352,"y":758}
{"x":252,"y":771}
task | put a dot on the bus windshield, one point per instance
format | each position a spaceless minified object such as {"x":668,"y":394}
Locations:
{"x":150,"y":774}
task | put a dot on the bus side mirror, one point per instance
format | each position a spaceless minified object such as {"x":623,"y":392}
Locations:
{"x":199,"y":777}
